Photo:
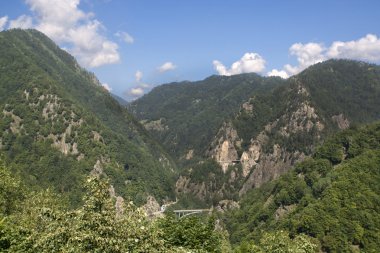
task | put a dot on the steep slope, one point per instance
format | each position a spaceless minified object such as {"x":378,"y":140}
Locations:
{"x":58,"y":124}
{"x":267,"y":131}
{"x":333,"y":196}
{"x":323,"y":99}
{"x":185,"y":116}
{"x":121,"y":100}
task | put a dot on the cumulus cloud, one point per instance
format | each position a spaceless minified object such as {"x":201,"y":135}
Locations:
{"x":250,"y":62}
{"x":136,"y":92}
{"x":144,"y":85}
{"x":139,"y":89}
{"x":307,"y":54}
{"x":65,"y":23}
{"x":280,"y":73}
{"x":22,"y":21}
{"x":166,"y":67}
{"x":107,"y":87}
{"x":138,"y":75}
{"x":3,"y":22}
{"x":126,"y":37}
{"x":365,"y":49}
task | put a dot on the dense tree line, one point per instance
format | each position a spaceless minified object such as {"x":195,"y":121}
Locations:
{"x":49,"y":94}
{"x":333,"y":197}
{"x":41,"y":221}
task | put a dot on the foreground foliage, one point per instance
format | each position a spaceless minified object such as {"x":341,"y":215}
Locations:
{"x":280,"y":242}
{"x":194,"y":233}
{"x":41,"y":222}
{"x":44,"y":225}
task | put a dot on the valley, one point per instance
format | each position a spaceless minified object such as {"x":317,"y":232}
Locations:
{"x":290,"y":163}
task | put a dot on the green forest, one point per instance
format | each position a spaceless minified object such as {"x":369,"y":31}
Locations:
{"x":80,"y":172}
{"x":41,"y":221}
{"x":52,"y":101}
{"x":333,"y":196}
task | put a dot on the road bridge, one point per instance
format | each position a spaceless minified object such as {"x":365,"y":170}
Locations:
{"x":187,"y":212}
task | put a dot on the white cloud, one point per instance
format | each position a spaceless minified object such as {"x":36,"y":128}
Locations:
{"x":139,"y":89}
{"x":138,"y":75}
{"x":136,"y":92}
{"x":65,"y":23}
{"x":307,"y":54}
{"x":3,"y":22}
{"x":144,"y":85}
{"x":166,"y":67}
{"x":280,"y":73}
{"x":250,"y":62}
{"x":106,"y":86}
{"x":220,"y":68}
{"x":366,"y":48}
{"x":22,"y":21}
{"x":125,"y":37}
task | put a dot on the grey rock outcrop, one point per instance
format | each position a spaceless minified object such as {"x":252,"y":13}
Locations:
{"x":224,"y":146}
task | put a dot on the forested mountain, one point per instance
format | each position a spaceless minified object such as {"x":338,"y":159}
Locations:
{"x":286,"y":164}
{"x":185,"y":116}
{"x":121,"y":100}
{"x":269,"y":126}
{"x":58,"y":124}
{"x":334,"y":196}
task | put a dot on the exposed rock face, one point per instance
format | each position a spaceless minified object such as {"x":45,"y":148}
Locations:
{"x":184,"y":185}
{"x":270,"y":154}
{"x":156,"y":125}
{"x":97,"y":136}
{"x":98,"y":169}
{"x":51,"y":107}
{"x":165,"y":162}
{"x":54,"y":111}
{"x":248,"y":107}
{"x":341,"y":121}
{"x":284,"y":210}
{"x":226,"y":204}
{"x":224,"y":151}
{"x":210,"y":187}
{"x":189,"y":154}
{"x":16,"y":121}
{"x":250,"y":158}
{"x":303,"y":119}
{"x":270,"y":167}
{"x":112,"y":192}
{"x":259,"y":165}
{"x":119,"y":206}
{"x":151,"y":206}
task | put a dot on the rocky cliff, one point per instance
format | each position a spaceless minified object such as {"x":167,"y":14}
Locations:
{"x":269,"y":153}
{"x":255,"y":129}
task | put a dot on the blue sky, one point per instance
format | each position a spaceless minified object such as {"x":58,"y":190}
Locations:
{"x":126,"y":42}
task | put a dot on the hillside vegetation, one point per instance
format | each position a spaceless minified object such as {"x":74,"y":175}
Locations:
{"x":188,"y":114}
{"x":259,"y":132}
{"x":40,"y":221}
{"x":333,"y":196}
{"x":58,"y":124}
{"x":286,"y":165}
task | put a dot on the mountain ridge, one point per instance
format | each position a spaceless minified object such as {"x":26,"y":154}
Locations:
{"x":53,"y":99}
{"x":266,"y":133}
